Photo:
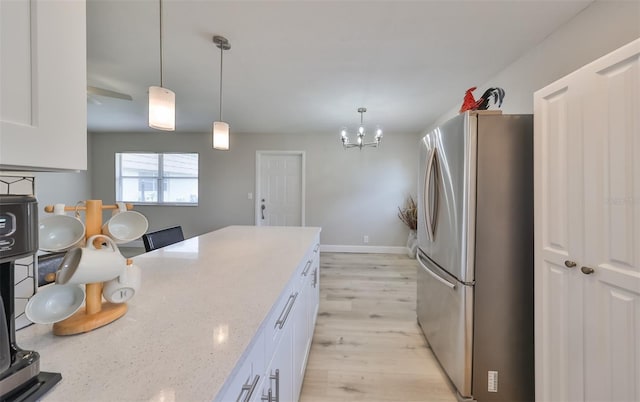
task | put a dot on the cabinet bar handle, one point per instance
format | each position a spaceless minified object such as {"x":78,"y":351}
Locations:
{"x":315,"y":277}
{"x":284,"y":309}
{"x":248,"y":387}
{"x":267,"y":397}
{"x":286,"y":315}
{"x":276,"y":377}
{"x":306,"y":268}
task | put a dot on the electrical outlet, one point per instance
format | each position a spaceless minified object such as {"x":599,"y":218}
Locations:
{"x":492,"y":383}
{"x":366,"y":239}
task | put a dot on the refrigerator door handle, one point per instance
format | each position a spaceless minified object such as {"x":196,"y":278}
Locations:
{"x":436,"y":276}
{"x":427,"y":188}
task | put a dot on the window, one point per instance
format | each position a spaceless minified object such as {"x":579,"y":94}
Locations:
{"x":152,"y":178}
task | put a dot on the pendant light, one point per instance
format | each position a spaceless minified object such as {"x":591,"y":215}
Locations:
{"x":220,"y":128}
{"x":162,"y":101}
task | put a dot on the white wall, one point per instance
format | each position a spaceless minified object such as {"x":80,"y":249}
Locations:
{"x":352,"y":193}
{"x":349,"y":193}
{"x":599,"y":29}
{"x":66,"y":188}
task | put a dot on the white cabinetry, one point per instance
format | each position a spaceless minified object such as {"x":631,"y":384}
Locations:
{"x":587,"y":241}
{"x":282,"y":344}
{"x":247,"y":376}
{"x":279,"y":376}
{"x":43,"y":111}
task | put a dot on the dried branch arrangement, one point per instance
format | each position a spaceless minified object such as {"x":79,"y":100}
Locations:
{"x":409,"y":214}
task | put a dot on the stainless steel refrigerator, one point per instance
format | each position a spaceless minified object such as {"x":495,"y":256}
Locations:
{"x":475,"y":236}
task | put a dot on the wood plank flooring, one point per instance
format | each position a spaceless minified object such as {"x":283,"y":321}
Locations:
{"x":367,"y":345}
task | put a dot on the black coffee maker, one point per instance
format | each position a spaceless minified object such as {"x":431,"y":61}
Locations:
{"x":20,"y":376}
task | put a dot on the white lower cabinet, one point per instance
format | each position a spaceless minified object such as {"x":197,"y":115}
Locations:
{"x":278,"y":383}
{"x":301,"y":337}
{"x":274,"y":369}
{"x":244,"y":382}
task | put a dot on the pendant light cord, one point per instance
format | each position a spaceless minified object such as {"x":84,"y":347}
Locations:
{"x":221,"y":55}
{"x":161,"y":55}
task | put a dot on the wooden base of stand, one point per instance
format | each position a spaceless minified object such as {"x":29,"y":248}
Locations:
{"x":82,"y":322}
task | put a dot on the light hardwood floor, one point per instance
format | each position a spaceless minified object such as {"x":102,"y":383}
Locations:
{"x":367,"y":345}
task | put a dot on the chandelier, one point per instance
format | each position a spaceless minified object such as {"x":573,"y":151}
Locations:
{"x":360,"y":142}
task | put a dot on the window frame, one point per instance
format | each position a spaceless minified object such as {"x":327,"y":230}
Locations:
{"x":160,"y":179}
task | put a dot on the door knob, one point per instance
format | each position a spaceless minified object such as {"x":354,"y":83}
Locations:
{"x":569,"y":264}
{"x":587,"y":270}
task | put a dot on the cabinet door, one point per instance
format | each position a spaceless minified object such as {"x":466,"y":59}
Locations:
{"x":558,"y":183}
{"x":612,"y":226}
{"x":244,"y":383}
{"x":313,"y":298}
{"x":43,"y":111}
{"x":281,"y":382}
{"x":300,"y":338}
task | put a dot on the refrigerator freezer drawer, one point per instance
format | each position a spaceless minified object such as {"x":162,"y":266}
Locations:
{"x":444,"y":310}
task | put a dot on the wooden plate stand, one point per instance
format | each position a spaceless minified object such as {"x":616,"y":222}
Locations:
{"x":95,"y":314}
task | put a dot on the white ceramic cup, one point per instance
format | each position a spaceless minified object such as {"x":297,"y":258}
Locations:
{"x":53,"y":303}
{"x":125,"y":226}
{"x":90,"y":264}
{"x":124,"y":287}
{"x":60,"y":232}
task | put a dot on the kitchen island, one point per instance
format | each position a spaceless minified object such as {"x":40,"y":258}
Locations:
{"x":205,"y":308}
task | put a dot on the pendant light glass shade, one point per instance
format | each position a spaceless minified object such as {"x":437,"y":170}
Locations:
{"x":221,"y":135}
{"x":162,"y":109}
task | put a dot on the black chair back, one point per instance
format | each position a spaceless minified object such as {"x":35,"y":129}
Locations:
{"x":162,"y":238}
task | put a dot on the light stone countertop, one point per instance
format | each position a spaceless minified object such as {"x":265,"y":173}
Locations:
{"x":200,"y":304}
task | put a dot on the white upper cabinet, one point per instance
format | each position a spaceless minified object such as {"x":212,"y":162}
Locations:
{"x":43,"y":79}
{"x":587,"y":223}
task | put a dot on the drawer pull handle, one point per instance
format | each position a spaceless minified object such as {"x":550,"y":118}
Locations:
{"x":286,"y":312}
{"x":248,"y":387}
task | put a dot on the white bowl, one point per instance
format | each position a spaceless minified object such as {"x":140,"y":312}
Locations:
{"x":126,"y":226}
{"x":60,"y":233}
{"x":54,"y":303}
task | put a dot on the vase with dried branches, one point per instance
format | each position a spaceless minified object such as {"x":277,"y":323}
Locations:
{"x":409,"y":216}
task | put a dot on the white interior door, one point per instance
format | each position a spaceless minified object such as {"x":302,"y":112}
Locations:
{"x":587,"y":251}
{"x":279,"y":188}
{"x":611,"y":267}
{"x":558,"y":182}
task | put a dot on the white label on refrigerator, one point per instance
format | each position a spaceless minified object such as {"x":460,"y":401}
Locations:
{"x":492,"y":383}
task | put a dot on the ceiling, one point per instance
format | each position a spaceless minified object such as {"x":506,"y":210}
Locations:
{"x":306,"y":66}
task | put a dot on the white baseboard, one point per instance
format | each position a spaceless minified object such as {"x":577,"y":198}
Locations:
{"x":329,"y":248}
